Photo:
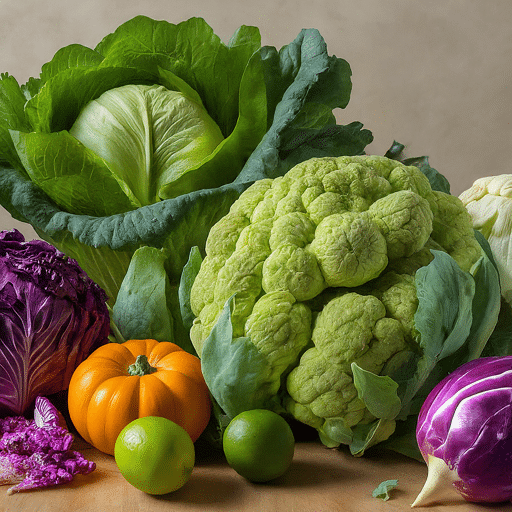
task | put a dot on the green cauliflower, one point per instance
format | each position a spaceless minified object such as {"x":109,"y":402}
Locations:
{"x":321,"y":263}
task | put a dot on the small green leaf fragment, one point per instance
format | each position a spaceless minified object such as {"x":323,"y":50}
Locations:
{"x":383,"y":489}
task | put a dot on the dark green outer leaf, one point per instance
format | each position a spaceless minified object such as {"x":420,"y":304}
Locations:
{"x":304,"y":78}
{"x":443,"y":317}
{"x":500,"y":341}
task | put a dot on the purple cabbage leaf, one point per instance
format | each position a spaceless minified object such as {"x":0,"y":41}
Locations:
{"x":52,"y":315}
{"x":37,"y":453}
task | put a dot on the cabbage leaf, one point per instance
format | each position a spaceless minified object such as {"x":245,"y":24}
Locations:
{"x":273,"y":108}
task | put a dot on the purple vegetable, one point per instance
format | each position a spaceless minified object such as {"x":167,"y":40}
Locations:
{"x":47,"y":415}
{"x":37,"y":453}
{"x":464,"y":432}
{"x":51,"y":317}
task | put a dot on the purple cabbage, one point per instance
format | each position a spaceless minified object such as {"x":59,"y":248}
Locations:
{"x":37,"y":453}
{"x":52,"y":315}
{"x":464,"y":432}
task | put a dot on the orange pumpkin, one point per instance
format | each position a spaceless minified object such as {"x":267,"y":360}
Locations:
{"x":120,"y":382}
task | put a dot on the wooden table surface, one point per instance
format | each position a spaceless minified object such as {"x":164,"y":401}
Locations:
{"x":319,"y":480}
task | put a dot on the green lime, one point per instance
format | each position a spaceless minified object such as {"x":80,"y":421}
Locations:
{"x":259,"y":445}
{"x":155,"y":455}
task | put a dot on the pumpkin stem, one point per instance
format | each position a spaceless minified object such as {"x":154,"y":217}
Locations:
{"x":141,"y":366}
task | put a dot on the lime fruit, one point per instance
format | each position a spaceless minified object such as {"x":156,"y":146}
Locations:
{"x":259,"y":445}
{"x":155,"y":455}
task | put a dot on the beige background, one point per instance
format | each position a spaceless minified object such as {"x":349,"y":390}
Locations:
{"x":434,"y":75}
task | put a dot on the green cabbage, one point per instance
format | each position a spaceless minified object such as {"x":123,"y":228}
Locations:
{"x":147,"y":139}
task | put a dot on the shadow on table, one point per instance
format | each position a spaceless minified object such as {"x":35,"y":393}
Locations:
{"x":217,"y":483}
{"x":304,"y":473}
{"x":207,"y":488}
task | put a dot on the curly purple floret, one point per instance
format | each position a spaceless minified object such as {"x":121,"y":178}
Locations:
{"x":34,"y":456}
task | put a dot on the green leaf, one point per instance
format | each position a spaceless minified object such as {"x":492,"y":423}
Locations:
{"x":12,"y":117}
{"x":366,"y":435}
{"x":306,"y":82}
{"x":74,"y":176}
{"x":72,"y":56}
{"x":21,"y":198}
{"x":486,"y":307}
{"x":500,"y":341}
{"x":191,"y":51}
{"x":188,"y":276}
{"x":31,"y":88}
{"x":231,"y":154}
{"x":59,"y":100}
{"x":331,"y":140}
{"x":383,"y":489}
{"x":378,"y":392}
{"x":443,"y":319}
{"x":141,"y":309}
{"x":237,"y":374}
{"x":486,"y":303}
{"x":318,"y":78}
{"x":334,"y":432}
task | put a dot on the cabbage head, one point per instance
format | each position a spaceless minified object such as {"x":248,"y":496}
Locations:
{"x":52,"y":315}
{"x":337,"y":293}
{"x":146,"y":139}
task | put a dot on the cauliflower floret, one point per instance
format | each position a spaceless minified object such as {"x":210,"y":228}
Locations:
{"x":321,"y":262}
{"x":293,"y":269}
{"x":453,"y":230}
{"x":405,"y":220}
{"x":320,"y":388}
{"x":350,"y":249}
{"x":350,"y":328}
{"x":280,"y":327}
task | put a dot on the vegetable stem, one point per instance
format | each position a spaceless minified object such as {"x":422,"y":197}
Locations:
{"x":141,"y":366}
{"x":439,"y":484}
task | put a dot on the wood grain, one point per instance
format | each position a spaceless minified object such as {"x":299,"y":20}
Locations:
{"x":319,"y":480}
